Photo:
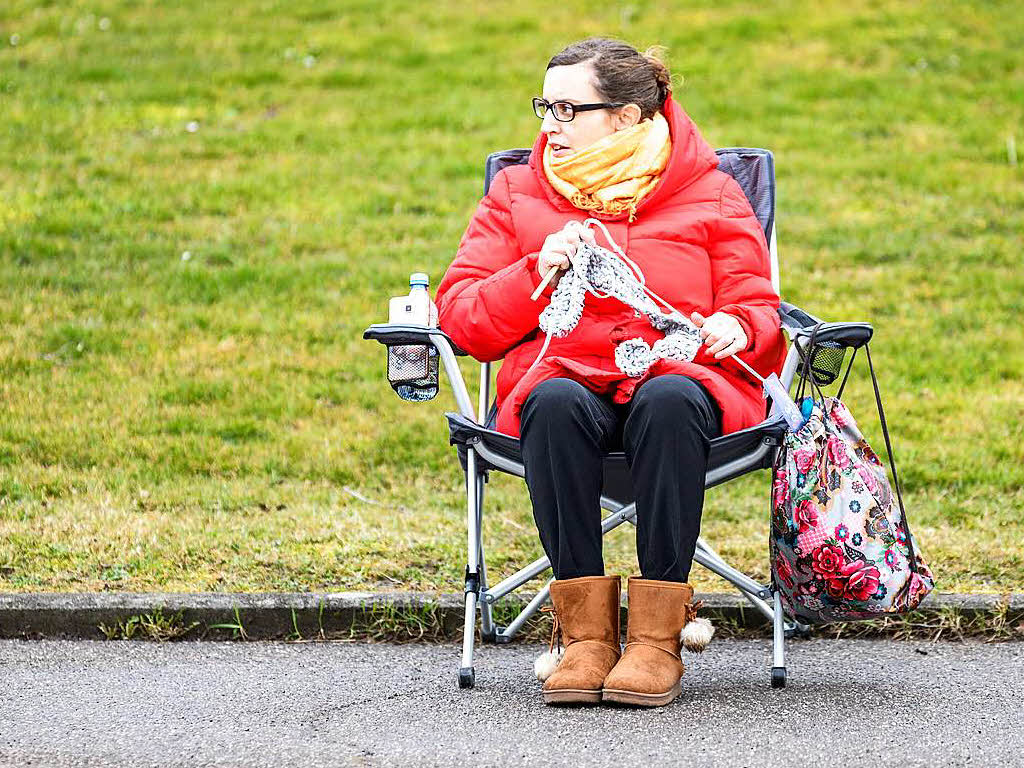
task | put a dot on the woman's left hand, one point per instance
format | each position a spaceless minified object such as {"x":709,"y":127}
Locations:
{"x":722,"y":333}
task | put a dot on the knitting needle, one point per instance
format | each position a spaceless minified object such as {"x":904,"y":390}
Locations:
{"x":781,"y":401}
{"x":752,"y":372}
{"x":547,"y":279}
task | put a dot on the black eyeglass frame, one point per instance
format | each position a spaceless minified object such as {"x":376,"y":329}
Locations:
{"x":539,"y":102}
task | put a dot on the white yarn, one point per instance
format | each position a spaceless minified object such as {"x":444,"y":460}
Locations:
{"x":605,"y":274}
{"x":696,"y":635}
{"x":544,"y":665}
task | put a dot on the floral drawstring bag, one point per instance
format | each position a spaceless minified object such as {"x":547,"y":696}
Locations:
{"x":840,"y":545}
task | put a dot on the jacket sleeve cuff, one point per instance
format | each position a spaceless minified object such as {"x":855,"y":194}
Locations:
{"x":748,"y":331}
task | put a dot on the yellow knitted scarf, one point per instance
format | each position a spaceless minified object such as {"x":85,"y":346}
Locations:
{"x":614,"y":174}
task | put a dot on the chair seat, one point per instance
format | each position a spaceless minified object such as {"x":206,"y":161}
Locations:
{"x":731,"y":449}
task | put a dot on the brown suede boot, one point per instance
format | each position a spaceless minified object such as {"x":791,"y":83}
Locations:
{"x":648,"y":673}
{"x":587,"y":612}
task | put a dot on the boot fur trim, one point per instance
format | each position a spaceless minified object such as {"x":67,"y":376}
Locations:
{"x":696,"y":634}
{"x":544,"y":665}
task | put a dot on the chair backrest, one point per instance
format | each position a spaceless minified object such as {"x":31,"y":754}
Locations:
{"x":753,"y":169}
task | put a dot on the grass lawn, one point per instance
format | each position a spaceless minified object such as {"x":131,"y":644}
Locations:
{"x":203,"y":204}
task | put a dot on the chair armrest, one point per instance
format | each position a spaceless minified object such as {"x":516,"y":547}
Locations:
{"x":799,"y":324}
{"x":795,"y":319}
{"x":390,"y":334}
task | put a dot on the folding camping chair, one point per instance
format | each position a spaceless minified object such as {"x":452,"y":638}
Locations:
{"x":481,"y":449}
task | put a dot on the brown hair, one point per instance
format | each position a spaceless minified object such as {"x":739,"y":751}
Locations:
{"x":622,"y":72}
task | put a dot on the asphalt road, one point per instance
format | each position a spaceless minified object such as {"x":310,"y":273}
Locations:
{"x":848,"y":703}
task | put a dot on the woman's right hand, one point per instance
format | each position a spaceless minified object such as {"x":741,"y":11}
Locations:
{"x":560,"y":246}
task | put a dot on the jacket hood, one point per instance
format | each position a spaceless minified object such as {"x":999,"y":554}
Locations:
{"x":690,"y":159}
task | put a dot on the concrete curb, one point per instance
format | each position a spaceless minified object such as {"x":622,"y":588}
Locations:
{"x":277,"y":616}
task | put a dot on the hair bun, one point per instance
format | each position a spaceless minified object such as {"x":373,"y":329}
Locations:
{"x":661,"y":74}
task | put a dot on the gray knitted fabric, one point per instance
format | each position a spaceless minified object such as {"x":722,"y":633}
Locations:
{"x":599,"y":271}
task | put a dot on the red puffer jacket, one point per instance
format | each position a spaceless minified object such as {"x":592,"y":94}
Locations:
{"x":697,"y":241}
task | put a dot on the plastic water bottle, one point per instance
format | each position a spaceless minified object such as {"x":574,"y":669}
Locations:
{"x":412,"y":368}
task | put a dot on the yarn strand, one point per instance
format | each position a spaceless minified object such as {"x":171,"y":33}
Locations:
{"x":608,"y":273}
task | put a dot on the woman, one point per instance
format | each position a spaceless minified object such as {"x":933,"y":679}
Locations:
{"x":615,"y":145}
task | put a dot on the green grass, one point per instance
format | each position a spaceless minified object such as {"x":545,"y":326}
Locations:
{"x":202,"y":205}
{"x":149,"y":626}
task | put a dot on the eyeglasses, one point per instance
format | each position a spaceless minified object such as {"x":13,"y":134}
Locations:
{"x":565,"y":111}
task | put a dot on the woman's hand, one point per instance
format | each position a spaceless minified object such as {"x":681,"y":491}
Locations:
{"x":559,"y":247}
{"x":722,"y":333}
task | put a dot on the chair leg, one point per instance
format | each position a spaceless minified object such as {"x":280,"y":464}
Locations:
{"x":487,"y":628}
{"x":467,"y":675}
{"x":778,"y":644}
{"x":757,"y":595}
{"x":531,"y":608}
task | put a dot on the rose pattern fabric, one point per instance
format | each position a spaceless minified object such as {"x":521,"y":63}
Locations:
{"x":837,"y":453}
{"x":784,"y":572}
{"x":806,"y":515}
{"x":804,"y":460}
{"x":827,"y":560}
{"x":853,"y":581}
{"x":870,"y":482}
{"x":839,"y":544}
{"x":780,"y":486}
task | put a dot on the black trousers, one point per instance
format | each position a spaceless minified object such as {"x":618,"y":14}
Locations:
{"x":665,"y":433}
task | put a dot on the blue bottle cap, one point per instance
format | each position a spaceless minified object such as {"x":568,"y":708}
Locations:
{"x":419,"y":278}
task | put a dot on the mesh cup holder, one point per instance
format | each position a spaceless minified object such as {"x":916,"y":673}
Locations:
{"x":413,"y":371}
{"x":826,"y":362}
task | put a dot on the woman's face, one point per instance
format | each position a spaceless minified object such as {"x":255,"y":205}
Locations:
{"x":575,"y":83}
